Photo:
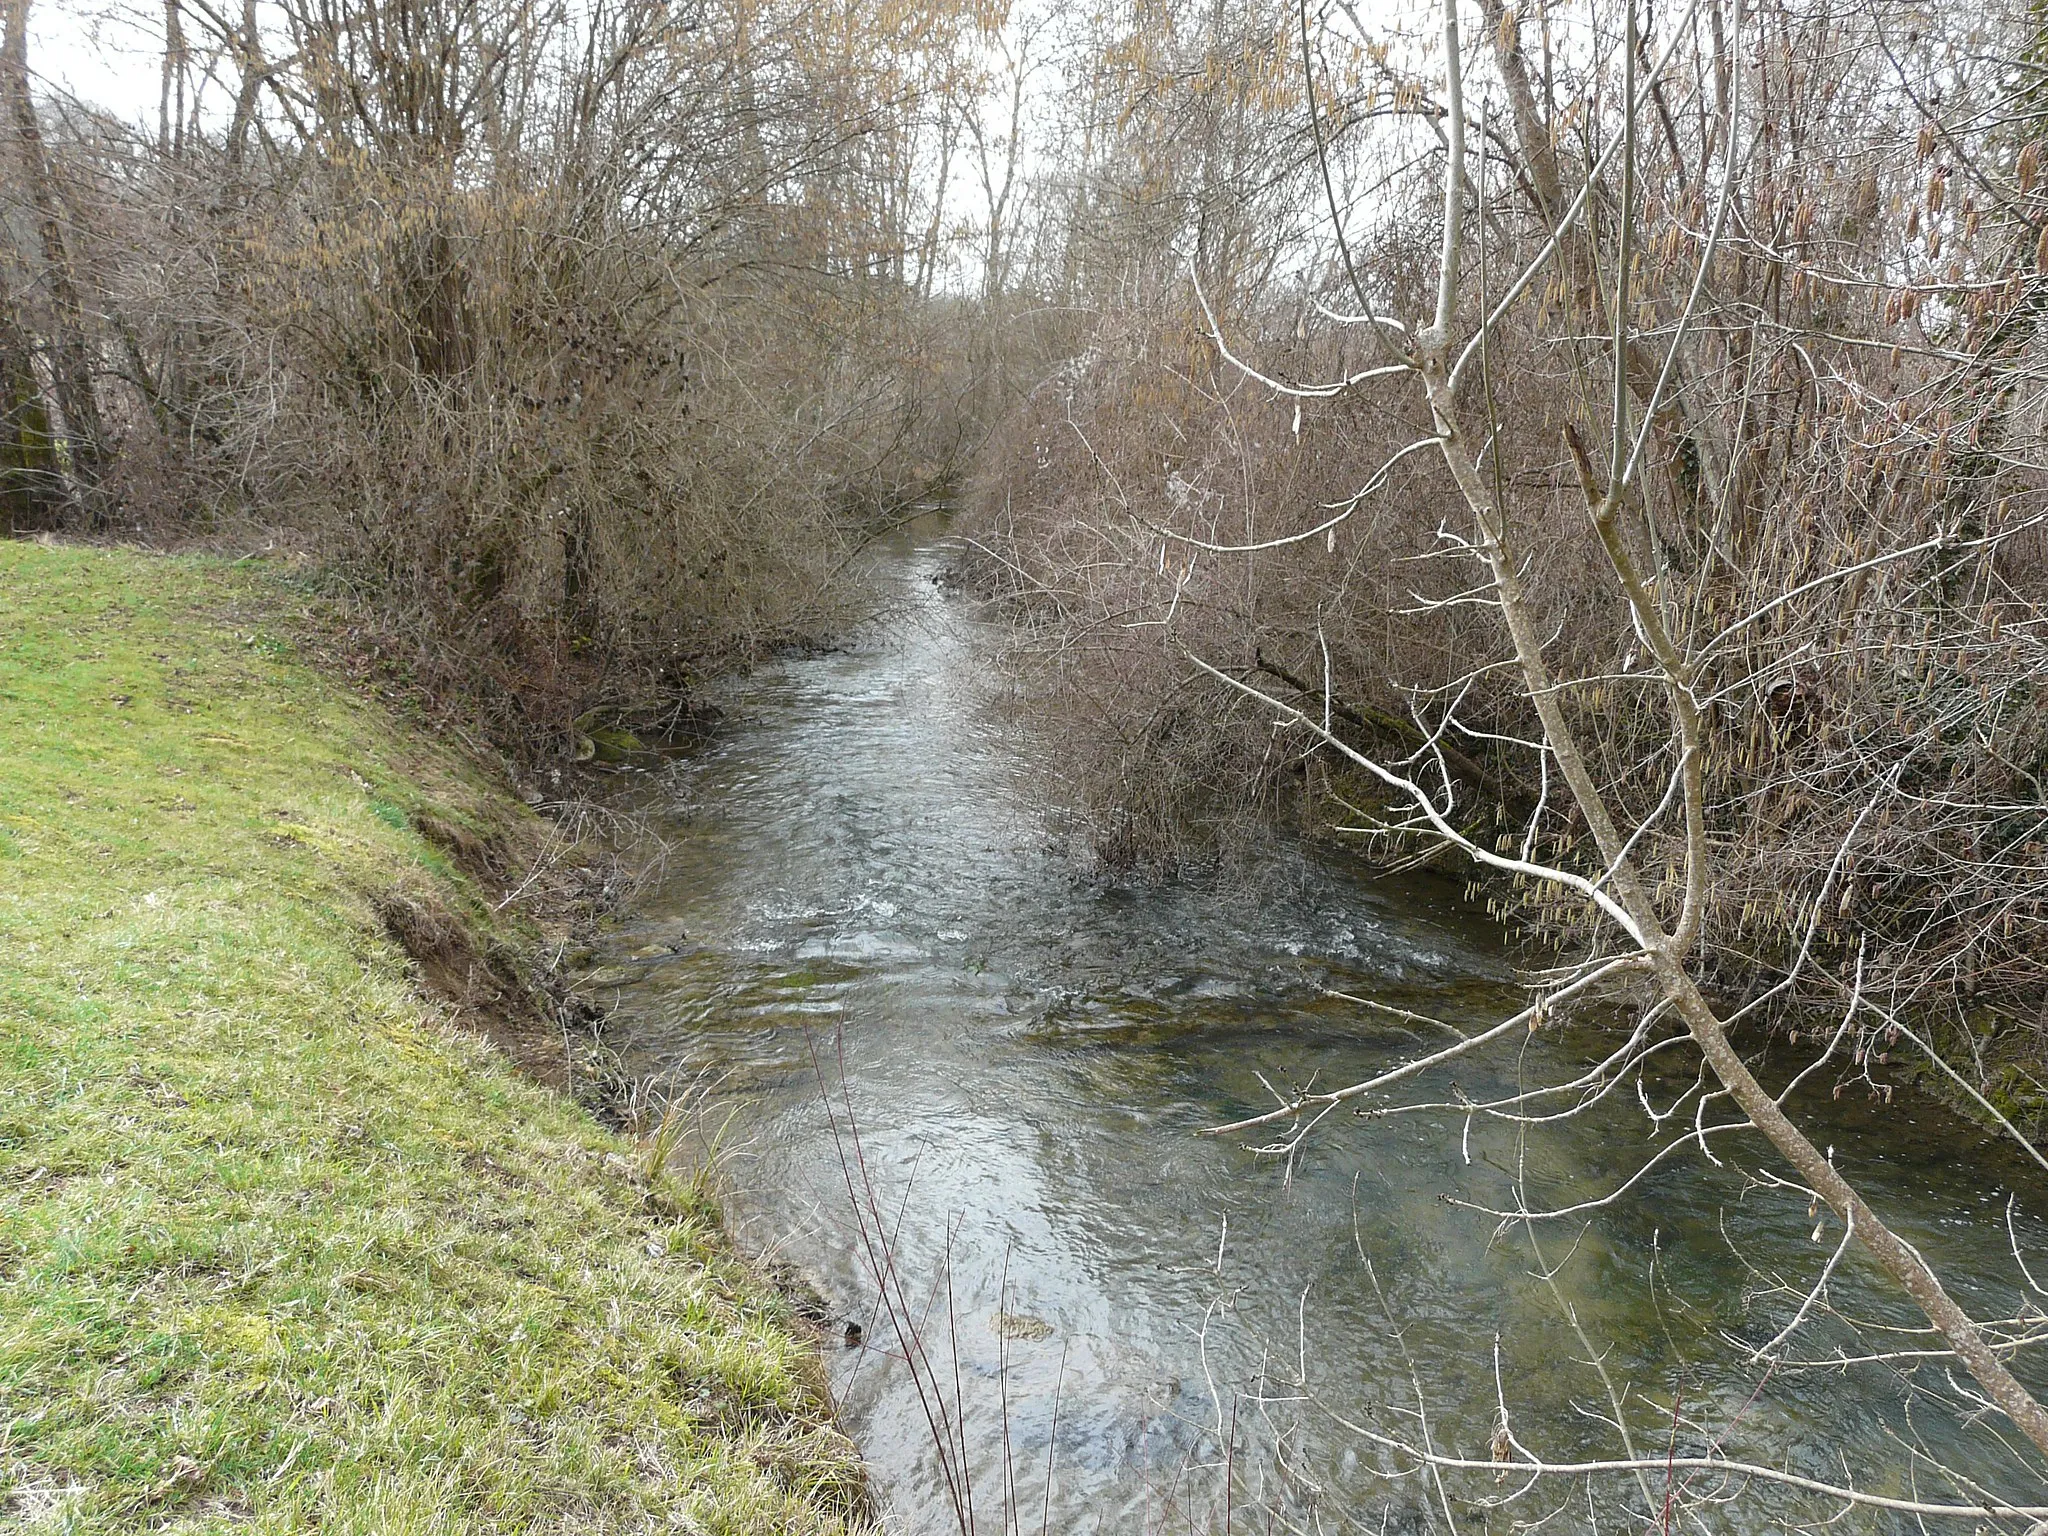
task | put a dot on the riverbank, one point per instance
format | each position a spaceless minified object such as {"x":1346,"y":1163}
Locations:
{"x":285,"y":1242}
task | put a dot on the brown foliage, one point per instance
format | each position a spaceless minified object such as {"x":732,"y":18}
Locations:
{"x":568,"y":348}
{"x":1843,"y":464}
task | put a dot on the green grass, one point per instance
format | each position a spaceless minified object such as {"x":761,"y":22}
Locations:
{"x":280,"y":1247}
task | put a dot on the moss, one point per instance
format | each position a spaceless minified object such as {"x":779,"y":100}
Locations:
{"x":281,"y":1246}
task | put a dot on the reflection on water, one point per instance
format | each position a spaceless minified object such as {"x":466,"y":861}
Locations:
{"x":863,"y":880}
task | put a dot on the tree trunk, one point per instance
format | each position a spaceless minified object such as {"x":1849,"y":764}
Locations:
{"x":71,"y":362}
{"x":31,"y":484}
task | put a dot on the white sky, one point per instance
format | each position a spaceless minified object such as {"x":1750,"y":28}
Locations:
{"x":105,"y":57}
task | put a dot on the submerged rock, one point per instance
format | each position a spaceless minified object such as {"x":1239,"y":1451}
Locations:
{"x":1020,"y":1325}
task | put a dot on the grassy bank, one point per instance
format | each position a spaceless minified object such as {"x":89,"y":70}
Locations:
{"x":283,"y":1243}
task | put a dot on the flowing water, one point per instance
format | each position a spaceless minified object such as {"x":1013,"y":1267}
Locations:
{"x":910,"y":989}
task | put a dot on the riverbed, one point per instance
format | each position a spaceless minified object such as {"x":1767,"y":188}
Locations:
{"x":960,"y":1074}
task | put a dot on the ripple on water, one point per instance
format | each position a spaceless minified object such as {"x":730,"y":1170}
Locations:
{"x":867,"y":875}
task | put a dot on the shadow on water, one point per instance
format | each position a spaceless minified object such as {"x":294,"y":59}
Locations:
{"x":864,"y":875}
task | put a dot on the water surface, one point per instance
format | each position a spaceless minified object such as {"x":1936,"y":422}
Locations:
{"x":962,"y":1060}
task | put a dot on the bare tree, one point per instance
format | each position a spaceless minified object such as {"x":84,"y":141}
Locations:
{"x":582,"y":343}
{"x":1635,"y":493}
{"x":71,"y":364}
{"x":1648,"y":929}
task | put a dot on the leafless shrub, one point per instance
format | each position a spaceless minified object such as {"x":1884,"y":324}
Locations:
{"x":1851,"y":387}
{"x":575,"y":347}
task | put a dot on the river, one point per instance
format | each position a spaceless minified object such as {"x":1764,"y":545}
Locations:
{"x":907,"y":984}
